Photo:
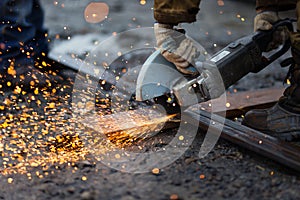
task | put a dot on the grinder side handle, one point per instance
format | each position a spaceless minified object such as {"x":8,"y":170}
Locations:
{"x":263,"y":38}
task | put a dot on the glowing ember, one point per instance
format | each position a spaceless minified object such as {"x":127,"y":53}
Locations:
{"x":143,"y":2}
{"x":202,"y":176}
{"x":155,"y":171}
{"x":181,"y":137}
{"x":10,"y":180}
{"x":174,"y":197}
{"x":221,"y":3}
{"x":96,"y":12}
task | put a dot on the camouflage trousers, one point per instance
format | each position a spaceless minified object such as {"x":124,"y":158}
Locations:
{"x":293,"y":91}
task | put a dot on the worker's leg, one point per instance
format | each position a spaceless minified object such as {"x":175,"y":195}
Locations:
{"x":283,"y":119}
{"x":22,"y":35}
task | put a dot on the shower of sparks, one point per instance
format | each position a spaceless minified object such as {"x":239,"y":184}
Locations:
{"x":31,"y":138}
{"x":39,"y":130}
{"x":124,"y":128}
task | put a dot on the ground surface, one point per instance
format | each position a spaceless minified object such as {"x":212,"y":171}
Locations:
{"x":43,"y":167}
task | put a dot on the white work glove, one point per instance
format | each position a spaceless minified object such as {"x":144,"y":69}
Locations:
{"x":176,"y":47}
{"x":212,"y":78}
{"x":263,"y":21}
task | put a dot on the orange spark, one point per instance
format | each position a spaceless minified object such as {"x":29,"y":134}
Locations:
{"x":96,"y":12}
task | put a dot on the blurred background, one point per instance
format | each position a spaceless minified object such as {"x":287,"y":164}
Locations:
{"x":219,"y":21}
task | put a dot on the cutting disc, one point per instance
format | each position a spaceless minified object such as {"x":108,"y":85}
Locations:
{"x":156,"y":77}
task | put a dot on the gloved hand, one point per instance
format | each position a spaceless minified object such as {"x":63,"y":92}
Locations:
{"x":176,"y":47}
{"x":263,"y":21}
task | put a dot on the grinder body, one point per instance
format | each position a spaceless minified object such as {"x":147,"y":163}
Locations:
{"x":233,"y":62}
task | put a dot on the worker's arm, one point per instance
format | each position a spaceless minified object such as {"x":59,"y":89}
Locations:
{"x":173,"y":44}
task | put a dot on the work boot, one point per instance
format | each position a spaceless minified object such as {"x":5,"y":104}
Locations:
{"x":275,"y":121}
{"x":283,"y":119}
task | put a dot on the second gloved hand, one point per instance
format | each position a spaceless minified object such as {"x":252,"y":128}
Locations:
{"x":176,"y":47}
{"x":263,"y":22}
